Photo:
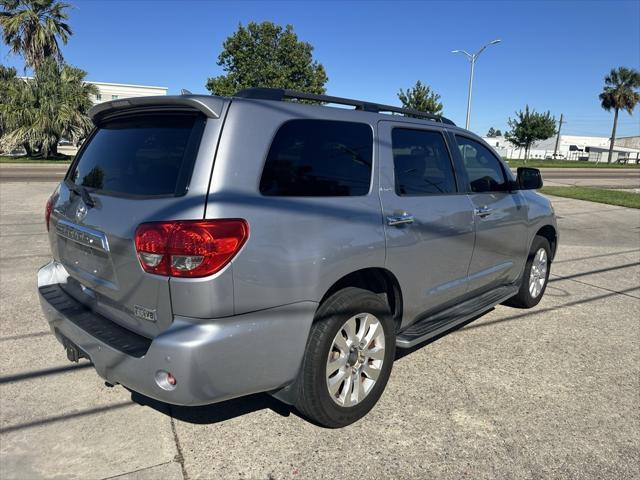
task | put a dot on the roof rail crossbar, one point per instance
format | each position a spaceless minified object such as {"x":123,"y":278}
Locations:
{"x":280,"y":94}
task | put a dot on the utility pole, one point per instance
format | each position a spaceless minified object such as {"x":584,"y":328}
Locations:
{"x":555,"y":150}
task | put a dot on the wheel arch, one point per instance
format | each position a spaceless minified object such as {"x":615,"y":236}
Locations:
{"x":377,"y":280}
{"x":550,"y":233}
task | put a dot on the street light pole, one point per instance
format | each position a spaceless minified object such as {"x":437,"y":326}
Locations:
{"x":473,"y":65}
{"x":472,"y":59}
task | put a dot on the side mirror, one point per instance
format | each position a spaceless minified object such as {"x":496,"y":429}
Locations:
{"x":529,"y":178}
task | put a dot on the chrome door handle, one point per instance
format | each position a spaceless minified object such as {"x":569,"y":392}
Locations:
{"x":403,"y":219}
{"x":483,"y":211}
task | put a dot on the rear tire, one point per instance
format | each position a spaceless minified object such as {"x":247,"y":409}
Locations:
{"x":348,"y":360}
{"x":535,"y":276}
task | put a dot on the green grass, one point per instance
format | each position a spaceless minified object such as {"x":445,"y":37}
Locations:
{"x":515,"y":163}
{"x":600,"y":195}
{"x":62,"y":161}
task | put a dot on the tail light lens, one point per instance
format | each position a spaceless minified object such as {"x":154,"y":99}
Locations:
{"x":191,"y":248}
{"x":47,"y":211}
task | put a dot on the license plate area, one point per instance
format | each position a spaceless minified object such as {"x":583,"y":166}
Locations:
{"x":85,"y":249}
{"x":84,"y":258}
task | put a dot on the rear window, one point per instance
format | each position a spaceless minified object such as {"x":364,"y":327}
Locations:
{"x":319,"y":158}
{"x":144,"y":155}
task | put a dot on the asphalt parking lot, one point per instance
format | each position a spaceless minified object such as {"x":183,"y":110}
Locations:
{"x":552,"y":392}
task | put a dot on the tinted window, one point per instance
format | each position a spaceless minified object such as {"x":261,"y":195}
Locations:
{"x":421,"y":162}
{"x":314,"y":158}
{"x":141,"y":155}
{"x":483,"y":168}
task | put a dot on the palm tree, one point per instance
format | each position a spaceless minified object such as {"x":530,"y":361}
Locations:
{"x":620,"y":93}
{"x":7,"y":78}
{"x":32,"y":28}
{"x":39,"y":112}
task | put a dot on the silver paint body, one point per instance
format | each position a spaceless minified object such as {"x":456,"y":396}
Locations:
{"x":244,"y":329}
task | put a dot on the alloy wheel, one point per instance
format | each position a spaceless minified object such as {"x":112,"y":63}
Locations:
{"x":538,"y":274}
{"x":355,"y":359}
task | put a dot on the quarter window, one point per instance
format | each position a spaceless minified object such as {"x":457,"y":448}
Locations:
{"x":421,"y":163}
{"x":483,"y":168}
{"x":319,"y":158}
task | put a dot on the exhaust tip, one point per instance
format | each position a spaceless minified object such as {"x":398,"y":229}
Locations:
{"x":165,"y":380}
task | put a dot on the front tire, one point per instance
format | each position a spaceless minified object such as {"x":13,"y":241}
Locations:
{"x":535,"y":276}
{"x":348,"y":359}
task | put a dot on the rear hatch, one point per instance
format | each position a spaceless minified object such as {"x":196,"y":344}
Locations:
{"x":138,"y":166}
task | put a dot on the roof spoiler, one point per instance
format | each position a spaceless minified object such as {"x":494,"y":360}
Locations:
{"x":210,"y":106}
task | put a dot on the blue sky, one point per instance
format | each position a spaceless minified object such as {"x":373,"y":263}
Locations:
{"x":553,"y":55}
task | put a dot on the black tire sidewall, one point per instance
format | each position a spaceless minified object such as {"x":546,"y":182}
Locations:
{"x":331,"y":316}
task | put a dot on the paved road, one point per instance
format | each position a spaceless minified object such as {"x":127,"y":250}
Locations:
{"x":607,"y":178}
{"x":32,"y":173}
{"x":552,"y":392}
{"x":591,"y":177}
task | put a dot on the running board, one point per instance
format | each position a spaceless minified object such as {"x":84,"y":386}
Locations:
{"x":434,"y":325}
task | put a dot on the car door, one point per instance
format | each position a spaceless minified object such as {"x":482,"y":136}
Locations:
{"x":428,"y":220}
{"x":500,"y":217}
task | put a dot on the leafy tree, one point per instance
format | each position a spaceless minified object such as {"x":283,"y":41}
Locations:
{"x":421,"y":97}
{"x":32,"y":28}
{"x":39,"y":112}
{"x":620,"y":93}
{"x":266,"y":55}
{"x":528,"y":127}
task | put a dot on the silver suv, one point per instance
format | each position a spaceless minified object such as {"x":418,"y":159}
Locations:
{"x":206,"y":248}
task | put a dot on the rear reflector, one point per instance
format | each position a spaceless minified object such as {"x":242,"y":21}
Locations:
{"x":190,"y":248}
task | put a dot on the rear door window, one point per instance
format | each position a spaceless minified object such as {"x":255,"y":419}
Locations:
{"x":319,"y":158}
{"x":142,"y":155}
{"x":421,"y":163}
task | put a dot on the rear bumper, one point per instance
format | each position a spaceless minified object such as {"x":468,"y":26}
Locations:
{"x":212,"y":360}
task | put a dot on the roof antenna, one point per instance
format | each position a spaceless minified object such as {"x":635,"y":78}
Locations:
{"x":184,"y":91}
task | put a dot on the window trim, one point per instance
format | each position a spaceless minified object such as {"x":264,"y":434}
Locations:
{"x":507,"y":178}
{"x":372,"y":176}
{"x":443,"y":134}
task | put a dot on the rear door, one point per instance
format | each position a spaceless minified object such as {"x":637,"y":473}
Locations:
{"x":500,"y":217}
{"x":428,"y":221}
{"x":135,"y":169}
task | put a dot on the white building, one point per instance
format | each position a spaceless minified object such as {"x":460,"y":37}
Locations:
{"x":113,"y":91}
{"x":573,"y":147}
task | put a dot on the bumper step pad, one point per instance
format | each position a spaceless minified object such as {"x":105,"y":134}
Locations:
{"x":96,"y":325}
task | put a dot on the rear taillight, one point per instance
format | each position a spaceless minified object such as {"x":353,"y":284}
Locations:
{"x":190,"y":248}
{"x":47,"y":211}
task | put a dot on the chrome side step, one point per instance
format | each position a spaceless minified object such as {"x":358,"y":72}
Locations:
{"x":440,"y":322}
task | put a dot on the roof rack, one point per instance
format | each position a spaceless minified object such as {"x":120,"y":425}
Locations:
{"x":280,"y":94}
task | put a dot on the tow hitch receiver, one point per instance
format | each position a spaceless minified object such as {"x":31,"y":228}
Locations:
{"x":74,"y":353}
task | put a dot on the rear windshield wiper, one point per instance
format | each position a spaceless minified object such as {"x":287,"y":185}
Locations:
{"x":83,"y":193}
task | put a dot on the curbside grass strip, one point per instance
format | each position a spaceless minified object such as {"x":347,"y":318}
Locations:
{"x":599,"y":195}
